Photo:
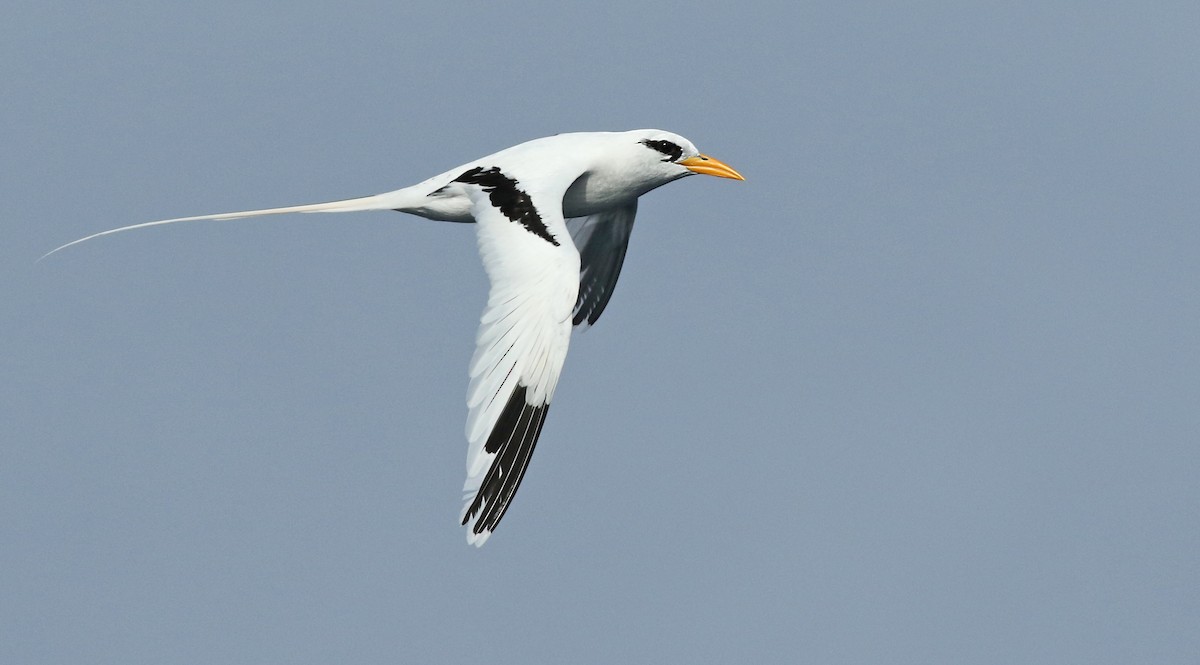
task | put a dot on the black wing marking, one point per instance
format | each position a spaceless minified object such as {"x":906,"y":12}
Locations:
{"x":506,"y":195}
{"x":512,"y":441}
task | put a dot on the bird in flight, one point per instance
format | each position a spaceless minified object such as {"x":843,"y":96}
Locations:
{"x":553,"y":218}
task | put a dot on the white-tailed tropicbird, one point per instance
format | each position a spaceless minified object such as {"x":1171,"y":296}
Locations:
{"x":553,"y":217}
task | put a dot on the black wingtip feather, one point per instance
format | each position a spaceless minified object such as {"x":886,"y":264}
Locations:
{"x":512,"y":440}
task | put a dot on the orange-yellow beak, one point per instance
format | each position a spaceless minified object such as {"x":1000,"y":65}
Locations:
{"x":711,"y":166}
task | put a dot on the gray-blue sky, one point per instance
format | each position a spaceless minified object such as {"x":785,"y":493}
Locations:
{"x":923,"y":389}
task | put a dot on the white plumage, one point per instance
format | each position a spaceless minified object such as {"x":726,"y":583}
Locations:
{"x":553,"y":219}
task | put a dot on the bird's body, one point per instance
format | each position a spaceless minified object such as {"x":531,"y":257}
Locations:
{"x":553,"y":216}
{"x":598,"y":184}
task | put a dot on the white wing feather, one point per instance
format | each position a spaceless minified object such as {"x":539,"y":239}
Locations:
{"x":520,"y":347}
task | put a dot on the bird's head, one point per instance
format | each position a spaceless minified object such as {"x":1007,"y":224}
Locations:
{"x":621,"y":166}
{"x":670,"y":157}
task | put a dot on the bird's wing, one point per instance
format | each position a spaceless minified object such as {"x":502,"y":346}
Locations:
{"x":523,"y":335}
{"x":601,"y":240}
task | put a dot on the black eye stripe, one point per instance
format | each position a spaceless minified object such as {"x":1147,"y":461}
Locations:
{"x":671,"y":150}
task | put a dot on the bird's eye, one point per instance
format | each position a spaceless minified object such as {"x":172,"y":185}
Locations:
{"x":671,"y":151}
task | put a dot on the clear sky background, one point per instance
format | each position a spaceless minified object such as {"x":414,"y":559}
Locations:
{"x":924,"y":389}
